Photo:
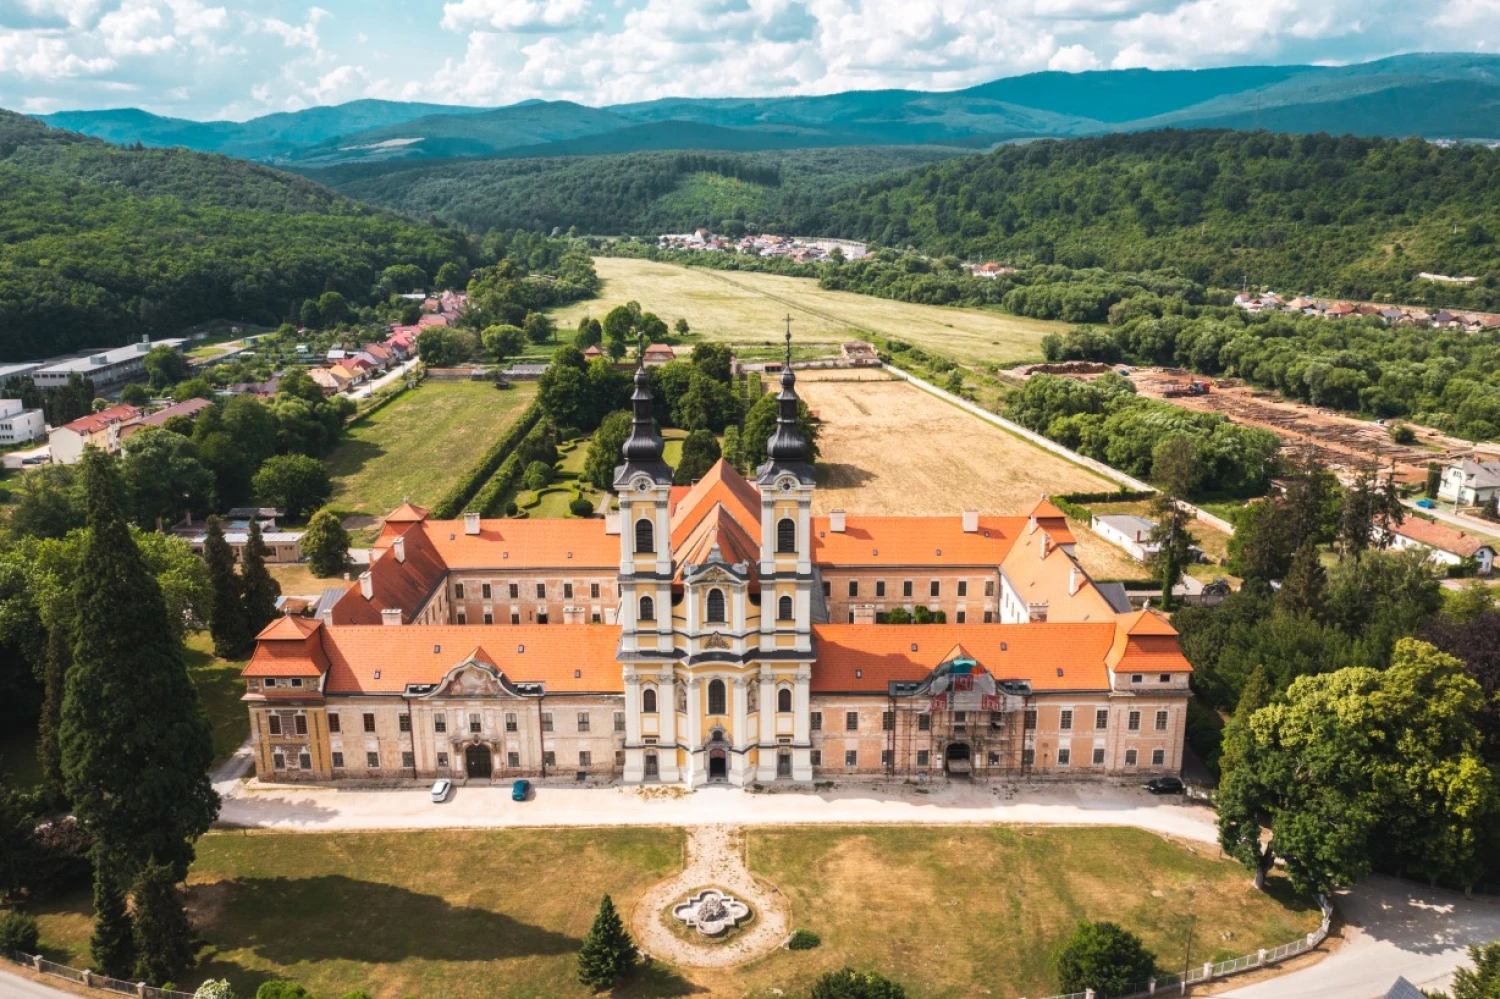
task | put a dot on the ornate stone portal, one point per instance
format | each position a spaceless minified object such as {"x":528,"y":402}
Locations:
{"x":711,"y":912}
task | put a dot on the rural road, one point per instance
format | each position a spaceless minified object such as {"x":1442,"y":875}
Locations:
{"x":1461,"y":521}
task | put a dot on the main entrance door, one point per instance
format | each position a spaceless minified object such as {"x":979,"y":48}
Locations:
{"x":478,"y":762}
{"x":718,"y":765}
{"x":958,"y":759}
{"x":784,"y":763}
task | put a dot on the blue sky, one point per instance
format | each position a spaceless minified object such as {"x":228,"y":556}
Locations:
{"x":242,"y":58}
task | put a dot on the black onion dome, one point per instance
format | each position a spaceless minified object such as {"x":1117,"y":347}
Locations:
{"x":787,"y":446}
{"x":644,"y":446}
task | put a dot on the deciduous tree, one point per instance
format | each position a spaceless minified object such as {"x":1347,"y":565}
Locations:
{"x":851,"y":984}
{"x":325,"y":544}
{"x":1104,"y":957}
{"x":604,"y":450}
{"x":297,"y":483}
{"x":760,"y":423}
{"x":699,"y":452}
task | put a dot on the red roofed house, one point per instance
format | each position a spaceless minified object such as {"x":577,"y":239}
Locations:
{"x":100,"y":430}
{"x":1446,"y":546}
{"x":658,"y":354}
{"x":720,"y":633}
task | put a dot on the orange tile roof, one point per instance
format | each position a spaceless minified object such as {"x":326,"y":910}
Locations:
{"x":542,"y":543}
{"x":1042,"y":572}
{"x":288,"y":646}
{"x":721,"y":529}
{"x":1045,"y":509}
{"x":406,"y":513}
{"x":404,"y":585}
{"x":95,"y":422}
{"x":1146,"y":622}
{"x":423,"y":654}
{"x":1441,"y":537}
{"x":928,"y":541}
{"x":722,"y":484}
{"x":864,"y":658}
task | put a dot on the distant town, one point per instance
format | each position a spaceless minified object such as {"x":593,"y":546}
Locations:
{"x":796,"y":248}
{"x":1394,"y":315}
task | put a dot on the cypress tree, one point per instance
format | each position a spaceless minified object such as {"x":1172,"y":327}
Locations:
{"x":136,"y":745}
{"x":163,"y":936}
{"x":607,"y":952}
{"x":1302,"y":589}
{"x":112,"y":948}
{"x":229,"y":626}
{"x":259,"y":588}
{"x":48,"y":750}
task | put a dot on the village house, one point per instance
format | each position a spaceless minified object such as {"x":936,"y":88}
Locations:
{"x":330,"y":380}
{"x":100,"y":430}
{"x":658,"y":354}
{"x":701,"y":635}
{"x":190,"y":408}
{"x":1446,"y":546}
{"x":1470,"y":482}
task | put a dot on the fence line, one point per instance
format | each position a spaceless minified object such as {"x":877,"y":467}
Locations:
{"x":90,"y":979}
{"x":1047,"y":444}
{"x":1163,"y":985}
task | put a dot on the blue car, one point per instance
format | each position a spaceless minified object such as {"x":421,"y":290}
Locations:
{"x":1426,"y":504}
{"x":519,"y":790}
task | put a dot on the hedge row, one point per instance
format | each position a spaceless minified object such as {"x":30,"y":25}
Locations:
{"x":1121,"y":495}
{"x":456,"y":499}
{"x":488,"y":500}
{"x":1075,"y":510}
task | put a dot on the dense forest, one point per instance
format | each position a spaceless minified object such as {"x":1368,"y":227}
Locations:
{"x":640,"y":193}
{"x":100,"y":244}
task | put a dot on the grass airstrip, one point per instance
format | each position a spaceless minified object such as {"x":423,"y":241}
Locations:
{"x":474,"y":914}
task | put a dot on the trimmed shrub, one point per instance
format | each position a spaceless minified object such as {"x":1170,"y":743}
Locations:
{"x":803,"y":940}
{"x":18,"y":932}
{"x":580,"y":507}
{"x":538,"y":475}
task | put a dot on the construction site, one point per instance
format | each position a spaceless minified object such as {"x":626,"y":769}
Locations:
{"x":960,"y":721}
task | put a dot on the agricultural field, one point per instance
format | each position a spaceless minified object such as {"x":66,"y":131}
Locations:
{"x":416,"y":447}
{"x":748,"y":309}
{"x":450,"y":914}
{"x":890,"y":448}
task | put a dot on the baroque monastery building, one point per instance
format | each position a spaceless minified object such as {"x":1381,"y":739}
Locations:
{"x":719,"y":633}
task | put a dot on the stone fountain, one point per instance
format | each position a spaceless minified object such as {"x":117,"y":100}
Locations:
{"x":711,"y":912}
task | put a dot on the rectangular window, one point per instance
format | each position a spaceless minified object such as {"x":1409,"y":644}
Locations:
{"x":338,"y":761}
{"x":924,"y":723}
{"x":515,"y":618}
{"x":994,"y":759}
{"x":1098,"y":756}
{"x":1134,"y":721}
{"x":854,"y":587}
{"x":484,"y":590}
{"x":851,"y":757}
{"x":403,"y":722}
{"x":440,"y":723}
{"x":885,"y":757}
{"x":963,"y":587}
{"x":273,"y":724}
{"x":278,"y":761}
{"x":270,"y":681}
{"x":513,"y":759}
{"x":369,"y":722}
{"x":989,"y":617}
{"x":299,"y":724}
{"x":827,"y":588}
{"x":851,"y":721}
{"x":515,"y":590}
{"x":1130,"y":757}
{"x":989,"y":587}
{"x":408,"y":761}
{"x":922,"y":757}
{"x":372,"y":760}
{"x":1161,"y":721}
{"x":1028,"y":757}
{"x":1064,"y":756}
{"x":880,"y":587}
{"x":817,"y":721}
{"x":476,"y":722}
{"x":546,"y":721}
{"x":1158,"y":757}
{"x":593,"y":591}
{"x":296,"y":681}
{"x":887,"y":721}
{"x":333,"y":723}
{"x":1165,"y":678}
{"x":489,"y":617}
{"x":1065,"y":719}
{"x":461,"y":618}
{"x":567,"y":591}
{"x":906,"y":588}
{"x":619,"y":721}
{"x":1101,"y":718}
{"x":549,"y":759}
{"x":541,"y":591}
{"x":585,"y":758}
{"x":815,"y":757}
{"x":583,"y":721}
{"x":1030,"y":719}
{"x":304,"y":761}
{"x":458,"y":591}
{"x":960,"y":718}
{"x":935,"y":589}
{"x":961,"y":616}
{"x":442,"y":761}
{"x":1137,"y":678}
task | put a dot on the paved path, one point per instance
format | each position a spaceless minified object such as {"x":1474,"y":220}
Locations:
{"x":1463,"y":522}
{"x":369,"y":388}
{"x":16,"y":987}
{"x":715,"y":859}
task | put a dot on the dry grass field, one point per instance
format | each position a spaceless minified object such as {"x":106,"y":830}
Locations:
{"x":748,"y":309}
{"x":890,"y":448}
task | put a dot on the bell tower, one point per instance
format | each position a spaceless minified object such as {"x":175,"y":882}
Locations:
{"x":644,"y":485}
{"x":786,"y":490}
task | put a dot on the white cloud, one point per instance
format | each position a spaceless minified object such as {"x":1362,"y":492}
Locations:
{"x":1073,"y":59}
{"x":514,"y":15}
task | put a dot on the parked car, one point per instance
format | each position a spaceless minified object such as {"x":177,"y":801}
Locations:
{"x":1426,"y":504}
{"x":440,"y":790}
{"x":519,"y":790}
{"x":1166,"y":785}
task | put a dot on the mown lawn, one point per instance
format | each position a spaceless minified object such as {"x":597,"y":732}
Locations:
{"x":465,"y":914}
{"x":418,"y":446}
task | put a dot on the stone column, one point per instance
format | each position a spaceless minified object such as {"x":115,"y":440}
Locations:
{"x":666,"y":708}
{"x":766,"y":768}
{"x":635,"y":765}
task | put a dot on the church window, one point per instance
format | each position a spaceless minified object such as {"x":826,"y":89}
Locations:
{"x":648,"y":609}
{"x":784,"y":609}
{"x":408,"y":761}
{"x":989,"y":587}
{"x":619,"y":721}
{"x":585,"y":758}
{"x":716,"y":605}
{"x":541,"y":591}
{"x":786,"y":536}
{"x":1158,"y":757}
{"x":960,"y":617}
{"x":372,"y":760}
{"x":717,"y":697}
{"x":1065,"y":719}
{"x":515,"y":590}
{"x":513,"y":759}
{"x":648,"y":701}
{"x":887,"y":721}
{"x":851,"y":758}
{"x":645,"y":542}
{"x":784,"y":699}
{"x":1030,"y":719}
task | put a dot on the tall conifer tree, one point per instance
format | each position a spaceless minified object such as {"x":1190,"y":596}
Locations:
{"x":259,"y":588}
{"x":607,"y":952}
{"x":112,"y":948}
{"x":48,"y":749}
{"x":163,"y":936}
{"x":230,"y":625}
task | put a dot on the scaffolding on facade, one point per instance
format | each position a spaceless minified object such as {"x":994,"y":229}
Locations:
{"x":958,"y":722}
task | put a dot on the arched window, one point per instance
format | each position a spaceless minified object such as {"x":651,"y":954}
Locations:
{"x":784,"y":609}
{"x":716,"y":605}
{"x":716,"y":698}
{"x":648,"y":609}
{"x":645,"y":542}
{"x":648,"y":701}
{"x":786,"y":536}
{"x":784,"y":699}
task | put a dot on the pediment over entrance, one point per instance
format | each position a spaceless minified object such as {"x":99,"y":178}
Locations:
{"x":475,"y":678}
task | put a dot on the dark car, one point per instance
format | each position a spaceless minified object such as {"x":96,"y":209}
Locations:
{"x":518,"y":790}
{"x":1166,"y":785}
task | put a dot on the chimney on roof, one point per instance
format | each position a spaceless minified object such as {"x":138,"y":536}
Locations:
{"x":471,"y":523}
{"x":390,"y":615}
{"x":971,"y":521}
{"x":366,"y":585}
{"x":1075,"y":580}
{"x":837,"y":522}
{"x":398,"y":546}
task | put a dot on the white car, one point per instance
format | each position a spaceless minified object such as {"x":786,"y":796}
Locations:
{"x":440,"y":790}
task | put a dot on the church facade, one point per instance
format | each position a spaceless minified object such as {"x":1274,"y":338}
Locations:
{"x":719,"y":633}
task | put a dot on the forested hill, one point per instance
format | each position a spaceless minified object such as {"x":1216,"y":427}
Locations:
{"x":99,"y":244}
{"x":1333,"y":215}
